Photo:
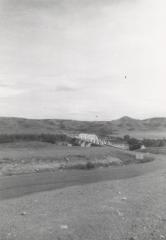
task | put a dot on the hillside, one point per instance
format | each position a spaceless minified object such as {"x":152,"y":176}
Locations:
{"x":125,"y":125}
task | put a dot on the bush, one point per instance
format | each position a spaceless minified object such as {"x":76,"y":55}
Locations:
{"x":90,"y":165}
{"x":134,"y":144}
{"x":154,"y":142}
{"x":78,"y":165}
{"x":50,"y":138}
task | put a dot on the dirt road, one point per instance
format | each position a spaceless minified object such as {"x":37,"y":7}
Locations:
{"x":19,"y":185}
{"x":121,"y":209}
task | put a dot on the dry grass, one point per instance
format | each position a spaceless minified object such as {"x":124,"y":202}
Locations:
{"x":92,"y":164}
{"x":156,"y":150}
{"x":35,"y":156}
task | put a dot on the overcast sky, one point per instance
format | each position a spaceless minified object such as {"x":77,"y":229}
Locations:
{"x":69,"y":58}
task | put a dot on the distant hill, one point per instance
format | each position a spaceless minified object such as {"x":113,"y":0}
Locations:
{"x":153,"y":127}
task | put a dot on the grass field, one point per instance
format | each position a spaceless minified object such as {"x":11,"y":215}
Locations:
{"x":156,"y":150}
{"x":25,"y":157}
{"x":143,"y":134}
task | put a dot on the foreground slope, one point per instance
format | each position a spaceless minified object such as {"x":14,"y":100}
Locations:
{"x":128,"y":209}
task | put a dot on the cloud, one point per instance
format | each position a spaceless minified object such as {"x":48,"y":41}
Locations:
{"x":60,"y":3}
{"x":63,"y":88}
{"x":59,"y":57}
{"x":4,"y":85}
{"x":6,"y":92}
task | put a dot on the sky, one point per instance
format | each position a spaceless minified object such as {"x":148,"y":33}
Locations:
{"x":82,"y":59}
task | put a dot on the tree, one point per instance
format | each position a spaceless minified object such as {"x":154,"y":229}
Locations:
{"x":134,"y":144}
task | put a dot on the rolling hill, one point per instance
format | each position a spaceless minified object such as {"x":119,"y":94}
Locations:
{"x":152,"y":128}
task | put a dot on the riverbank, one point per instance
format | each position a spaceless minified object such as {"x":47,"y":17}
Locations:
{"x":128,"y":209}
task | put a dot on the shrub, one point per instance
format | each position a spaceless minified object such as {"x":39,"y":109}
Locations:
{"x":50,"y":138}
{"x":90,"y":165}
{"x":134,"y":144}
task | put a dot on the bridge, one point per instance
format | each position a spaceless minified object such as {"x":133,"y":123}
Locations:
{"x":86,"y":140}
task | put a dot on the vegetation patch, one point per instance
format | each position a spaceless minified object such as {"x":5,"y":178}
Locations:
{"x":87,"y":165}
{"x":23,"y":157}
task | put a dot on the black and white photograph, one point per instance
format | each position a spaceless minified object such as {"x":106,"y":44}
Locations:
{"x":82,"y":120}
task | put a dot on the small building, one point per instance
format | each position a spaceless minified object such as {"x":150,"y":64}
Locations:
{"x":143,"y":147}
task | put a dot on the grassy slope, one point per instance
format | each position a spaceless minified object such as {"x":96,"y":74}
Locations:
{"x":116,"y":210}
{"x":155,"y":127}
{"x":22,"y":157}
